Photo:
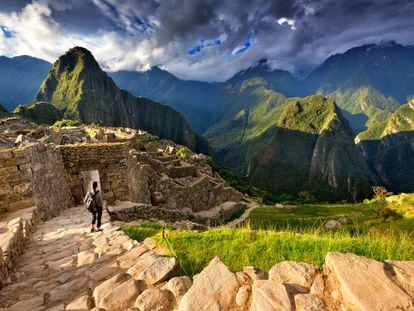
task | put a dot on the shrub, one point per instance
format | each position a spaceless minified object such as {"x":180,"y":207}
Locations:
{"x":304,"y":197}
{"x":65,"y":122}
{"x":183,"y":152}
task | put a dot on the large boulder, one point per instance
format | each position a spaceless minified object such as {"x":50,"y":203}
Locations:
{"x":214,"y":288}
{"x":82,"y":303}
{"x":109,"y":285}
{"x":366,"y":284}
{"x":308,"y":302}
{"x":154,"y":299}
{"x":162,"y":269}
{"x":297,"y":276}
{"x":270,"y":296}
{"x":130,"y":258}
{"x":122,"y":296}
{"x":404,"y":272}
{"x":142,"y":263}
{"x":178,"y":286}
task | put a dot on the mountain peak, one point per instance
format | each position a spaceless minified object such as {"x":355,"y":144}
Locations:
{"x":79,"y":51}
{"x":77,"y":57}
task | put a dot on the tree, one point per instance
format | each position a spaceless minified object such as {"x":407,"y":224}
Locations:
{"x":380,"y":192}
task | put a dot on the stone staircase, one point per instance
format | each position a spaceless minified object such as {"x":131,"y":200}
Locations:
{"x":66,"y":267}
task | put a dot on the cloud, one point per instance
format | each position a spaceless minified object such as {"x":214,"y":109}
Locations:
{"x":201,"y":39}
{"x":284,"y":20}
{"x":247,"y":43}
{"x":207,"y":43}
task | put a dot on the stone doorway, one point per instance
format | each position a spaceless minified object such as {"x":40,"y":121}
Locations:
{"x":87,"y":178}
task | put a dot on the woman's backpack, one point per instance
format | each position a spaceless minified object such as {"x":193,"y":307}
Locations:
{"x":91,"y":204}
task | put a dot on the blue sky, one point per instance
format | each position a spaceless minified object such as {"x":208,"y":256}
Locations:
{"x":207,"y":40}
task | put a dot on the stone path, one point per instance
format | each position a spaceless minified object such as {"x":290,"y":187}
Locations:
{"x":238,"y":221}
{"x":64,"y":263}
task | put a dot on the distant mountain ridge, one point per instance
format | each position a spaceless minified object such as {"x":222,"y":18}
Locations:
{"x":20,"y":78}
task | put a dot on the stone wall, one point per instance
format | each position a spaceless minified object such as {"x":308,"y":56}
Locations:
{"x":16,"y":191}
{"x":50,"y":188}
{"x":129,"y":212}
{"x":108,"y":158}
{"x":33,"y":175}
{"x":181,"y":185}
{"x":33,"y":188}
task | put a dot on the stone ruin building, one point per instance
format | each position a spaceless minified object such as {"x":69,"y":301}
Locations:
{"x":43,"y":171}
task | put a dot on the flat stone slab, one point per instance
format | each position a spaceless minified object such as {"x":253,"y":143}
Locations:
{"x":366,"y":284}
{"x":214,"y":288}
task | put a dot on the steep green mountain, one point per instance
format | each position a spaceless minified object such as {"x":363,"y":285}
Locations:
{"x":20,"y":78}
{"x":253,"y":108}
{"x":388,"y":147}
{"x":312,"y":149}
{"x":39,"y":112}
{"x":193,"y":99}
{"x":81,"y":91}
{"x":364,"y":106}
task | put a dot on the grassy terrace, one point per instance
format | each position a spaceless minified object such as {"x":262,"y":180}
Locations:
{"x":293,"y":233}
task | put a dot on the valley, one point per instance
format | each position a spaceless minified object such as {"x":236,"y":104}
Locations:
{"x":236,"y":120}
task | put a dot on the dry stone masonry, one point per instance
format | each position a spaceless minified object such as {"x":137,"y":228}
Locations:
{"x":108,"y":158}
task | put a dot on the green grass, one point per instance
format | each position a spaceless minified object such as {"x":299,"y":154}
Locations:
{"x":262,"y":249}
{"x":307,"y":216}
{"x":293,"y":233}
{"x":140,"y":233}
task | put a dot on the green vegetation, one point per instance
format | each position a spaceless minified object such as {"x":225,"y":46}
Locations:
{"x":236,"y":181}
{"x":366,"y":106}
{"x":183,"y":152}
{"x":295,"y":233}
{"x":65,"y":122}
{"x":309,"y":217}
{"x":248,"y":125}
{"x":140,"y":233}
{"x":262,"y":249}
{"x":399,"y":121}
{"x":39,"y":112}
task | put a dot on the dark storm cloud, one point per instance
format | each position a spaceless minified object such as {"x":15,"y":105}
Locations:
{"x":203,"y":39}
